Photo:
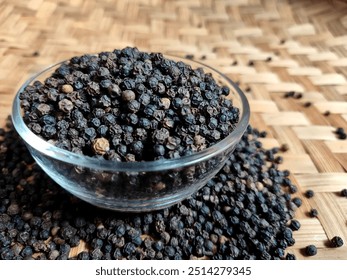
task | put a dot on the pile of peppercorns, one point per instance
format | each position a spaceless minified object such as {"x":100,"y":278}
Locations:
{"x":129,"y":105}
{"x":242,"y":213}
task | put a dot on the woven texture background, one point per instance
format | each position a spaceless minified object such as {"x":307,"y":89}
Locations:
{"x":270,"y":47}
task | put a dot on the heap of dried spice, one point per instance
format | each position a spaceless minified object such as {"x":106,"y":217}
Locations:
{"x":129,"y":105}
{"x":244,"y":212}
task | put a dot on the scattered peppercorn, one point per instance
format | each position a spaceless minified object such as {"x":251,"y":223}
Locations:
{"x":298,"y":95}
{"x":290,"y":256}
{"x":307,"y":104}
{"x":313,"y":213}
{"x":309,"y":193}
{"x":336,"y":241}
{"x":311,"y":250}
{"x":327,"y":113}
{"x":284,"y":147}
{"x":341,"y":134}
{"x":344,"y":192}
{"x":295,"y":225}
{"x":297,"y":201}
{"x":289,"y":94}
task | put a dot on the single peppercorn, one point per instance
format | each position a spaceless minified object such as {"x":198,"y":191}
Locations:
{"x":65,"y":105}
{"x":128,"y":95}
{"x":344,"y":193}
{"x":297,"y":201}
{"x":101,"y":145}
{"x":336,"y":241}
{"x":290,"y":256}
{"x":289,"y":94}
{"x":298,"y":95}
{"x":67,"y":88}
{"x":313,"y":213}
{"x":311,"y":250}
{"x":339,"y":130}
{"x":295,"y":225}
{"x":284,"y":147}
{"x":341,"y":134}
{"x":309,"y":193}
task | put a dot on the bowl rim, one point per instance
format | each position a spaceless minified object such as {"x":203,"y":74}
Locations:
{"x":66,"y":156}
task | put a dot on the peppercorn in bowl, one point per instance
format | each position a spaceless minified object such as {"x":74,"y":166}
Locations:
{"x":129,"y":130}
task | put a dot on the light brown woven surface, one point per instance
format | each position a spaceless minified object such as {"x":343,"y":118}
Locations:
{"x":295,"y":45}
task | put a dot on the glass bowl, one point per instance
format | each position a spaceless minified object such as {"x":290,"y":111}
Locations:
{"x":133,"y":186}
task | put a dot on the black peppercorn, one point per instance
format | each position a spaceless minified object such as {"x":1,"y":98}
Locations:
{"x":297,"y":201}
{"x":309,"y":193}
{"x":311,"y":250}
{"x":295,"y":225}
{"x":313,"y":213}
{"x":290,"y":256}
{"x":336,"y":241}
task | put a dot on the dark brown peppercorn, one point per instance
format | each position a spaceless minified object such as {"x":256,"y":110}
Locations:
{"x":284,"y":147}
{"x":298,"y":95}
{"x":251,"y":63}
{"x":344,"y":193}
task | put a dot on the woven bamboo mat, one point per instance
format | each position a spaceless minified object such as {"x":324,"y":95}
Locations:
{"x":270,"y":47}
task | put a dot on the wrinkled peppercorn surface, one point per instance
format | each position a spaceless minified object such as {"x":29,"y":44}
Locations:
{"x":115,"y":95}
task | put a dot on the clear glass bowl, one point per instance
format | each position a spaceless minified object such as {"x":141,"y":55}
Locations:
{"x":133,"y":186}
